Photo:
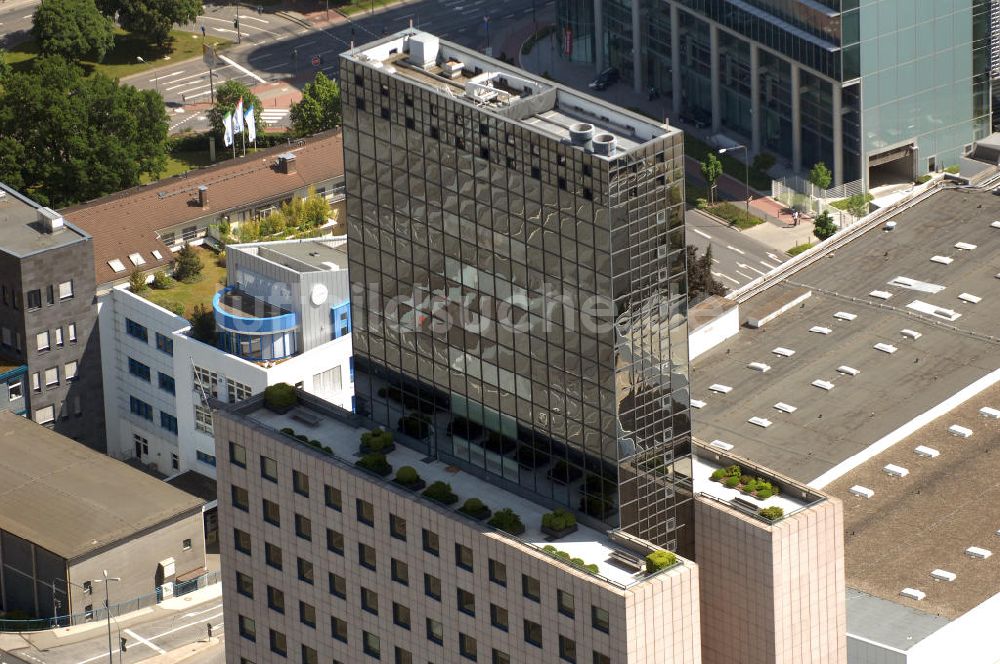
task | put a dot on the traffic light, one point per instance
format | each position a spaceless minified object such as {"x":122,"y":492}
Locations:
{"x":236,"y":23}
{"x":123,"y":644}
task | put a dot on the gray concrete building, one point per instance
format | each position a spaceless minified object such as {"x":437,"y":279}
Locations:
{"x":520,"y":302}
{"x":49,"y":317}
{"x":67,"y":513}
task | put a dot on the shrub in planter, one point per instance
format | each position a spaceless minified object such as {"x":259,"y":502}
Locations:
{"x":475,"y":508}
{"x":733,"y":471}
{"x":658,"y":560}
{"x":508,"y":521}
{"x":763,"y":494}
{"x":749,"y":486}
{"x":579,"y":562}
{"x":548,"y":548}
{"x":441,"y":492}
{"x":374,"y":463}
{"x":719,"y":475}
{"x":732,"y":482}
{"x":558,"y":523}
{"x":408,"y":476}
{"x":280,"y":397}
{"x":592,"y":568}
{"x":376,"y":441}
{"x":304,"y":438}
{"x":745,"y":479}
{"x":289,"y":431}
{"x":771,"y":513}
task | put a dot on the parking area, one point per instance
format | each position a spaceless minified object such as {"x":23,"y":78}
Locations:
{"x":889,"y":332}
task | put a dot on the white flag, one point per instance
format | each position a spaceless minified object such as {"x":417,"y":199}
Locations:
{"x":238,"y":117}
{"x":251,"y":124}
{"x":227,"y":129}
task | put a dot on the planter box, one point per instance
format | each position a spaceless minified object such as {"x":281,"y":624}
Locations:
{"x":485,"y":513}
{"x":364,"y":449}
{"x":419,"y":485}
{"x":283,"y":410}
{"x":558,"y":534}
{"x":374,"y":472}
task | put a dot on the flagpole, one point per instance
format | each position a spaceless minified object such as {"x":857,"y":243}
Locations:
{"x":243,"y":139}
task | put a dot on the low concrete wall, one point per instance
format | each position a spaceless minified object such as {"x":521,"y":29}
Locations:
{"x":711,"y":322}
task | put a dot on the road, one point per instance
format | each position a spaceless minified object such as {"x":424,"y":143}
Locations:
{"x":146,"y":637}
{"x":736,"y":258}
{"x":15,"y":20}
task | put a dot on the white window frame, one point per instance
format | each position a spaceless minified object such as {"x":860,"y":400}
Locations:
{"x":238,"y":391}
{"x":71,"y":332}
{"x":45,"y":415}
{"x":203,"y":419}
{"x":36,"y":382}
{"x":69,"y":370}
{"x":42,"y":341}
{"x":15,"y":390}
{"x":59,"y":336}
{"x":52,"y":377}
{"x":66,"y":290}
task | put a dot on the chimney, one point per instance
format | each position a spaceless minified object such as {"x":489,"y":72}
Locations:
{"x":51,"y":220}
{"x":203,"y":195}
{"x":286,"y":163}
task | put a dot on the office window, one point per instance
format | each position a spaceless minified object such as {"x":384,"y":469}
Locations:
{"x":463,"y":557}
{"x":138,"y":369}
{"x":279,"y":645}
{"x":397,"y":527}
{"x":601,"y":658}
{"x":599,"y":619}
{"x":52,"y":379}
{"x":498,"y":617}
{"x":371,"y":645}
{"x":338,"y":585}
{"x":45,"y":415}
{"x":530,"y":588}
{"x":401,"y":615}
{"x":15,"y":390}
{"x":34,"y":299}
{"x":138,"y":407}
{"x":369,"y":600}
{"x":248,"y":628}
{"x":168,"y":422}
{"x":241,"y":498}
{"x":42,"y":340}
{"x":71,"y":332}
{"x":366,"y":556}
{"x":466,"y":602}
{"x":307,"y":614}
{"x":59,"y":336}
{"x":400,"y":572}
{"x":175,"y":461}
{"x":332,"y":496}
{"x":309,"y":655}
{"x":237,"y":391}
{"x":65,"y":290}
{"x":338,"y":628}
{"x":403,"y":656}
{"x":272,"y":513}
{"x":432,"y":586}
{"x":335,"y":541}
{"x":166,"y":382}
{"x":566,"y":604}
{"x":498,"y":573}
{"x":205,"y":457}
{"x":237,"y":454}
{"x":50,"y":295}
{"x":244,"y":584}
{"x":435,"y":631}
{"x":366,"y":512}
{"x":137,"y":331}
{"x":205,"y":381}
{"x":300,"y":483}
{"x":242,"y":541}
{"x":203,"y":418}
{"x":69,"y":370}
{"x":164,"y":344}
{"x":275,"y":599}
{"x":340,"y":317}
{"x":305,"y":569}
{"x":272,"y":555}
{"x":532,"y":633}
{"x":303,"y":527}
{"x":500,"y":657}
{"x":467,"y":646}
{"x":567,"y":649}
{"x":431,"y":543}
{"x":269,"y":469}
{"x":36,"y":382}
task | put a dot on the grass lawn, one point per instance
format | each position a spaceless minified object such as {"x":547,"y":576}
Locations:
{"x":799,"y":248}
{"x":121,"y":60}
{"x":734,"y":216}
{"x":213,"y":278}
{"x":699,"y":150}
{"x":357,"y":6}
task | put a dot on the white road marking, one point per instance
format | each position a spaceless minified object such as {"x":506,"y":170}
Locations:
{"x":242,"y":69}
{"x":160,"y":78}
{"x":773,"y":257}
{"x":767,"y":265}
{"x":739,"y":251}
{"x":750,"y":267}
{"x":745,"y":276}
{"x":254,"y":18}
{"x":145,"y":642}
{"x":704,"y":235}
{"x":726,"y":276}
{"x":199,"y":94}
{"x":715,"y":260}
{"x":198,"y":613}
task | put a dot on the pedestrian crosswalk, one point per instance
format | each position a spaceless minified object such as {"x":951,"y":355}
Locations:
{"x":272,"y":116}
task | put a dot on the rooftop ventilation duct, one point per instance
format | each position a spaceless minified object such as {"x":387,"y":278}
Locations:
{"x":51,"y":220}
{"x":203,"y":196}
{"x":286,"y":163}
{"x":604,"y":144}
{"x":424,"y":50}
{"x":580,"y":133}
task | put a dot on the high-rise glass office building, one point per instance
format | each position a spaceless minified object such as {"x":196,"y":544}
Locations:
{"x":879,"y":90}
{"x":520,"y":301}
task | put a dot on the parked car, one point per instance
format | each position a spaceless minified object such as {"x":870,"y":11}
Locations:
{"x":605,"y":78}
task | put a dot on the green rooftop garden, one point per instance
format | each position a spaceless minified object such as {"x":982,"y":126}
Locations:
{"x":182,"y":297}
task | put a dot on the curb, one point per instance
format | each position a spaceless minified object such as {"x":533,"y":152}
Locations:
{"x":294,"y":19}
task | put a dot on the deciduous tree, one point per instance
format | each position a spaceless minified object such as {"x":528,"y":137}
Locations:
{"x":820,"y":175}
{"x":151,"y":18}
{"x":711,"y":169}
{"x":701,"y":282}
{"x":74,"y":29}
{"x":319,"y":109}
{"x":823,"y":226}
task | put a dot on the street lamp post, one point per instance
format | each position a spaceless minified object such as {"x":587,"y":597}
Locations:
{"x":156,"y":76}
{"x":746,"y":172}
{"x":236,"y":24}
{"x":107,"y":607}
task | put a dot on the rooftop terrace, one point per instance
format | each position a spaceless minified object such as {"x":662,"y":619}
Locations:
{"x":300,"y":255}
{"x":341,"y":431}
{"x":921,"y":359}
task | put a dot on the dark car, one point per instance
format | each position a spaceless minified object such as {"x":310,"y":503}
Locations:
{"x":605,"y":78}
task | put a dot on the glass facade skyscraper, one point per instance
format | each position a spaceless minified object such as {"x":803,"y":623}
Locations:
{"x":876,"y":89}
{"x":520,"y":299}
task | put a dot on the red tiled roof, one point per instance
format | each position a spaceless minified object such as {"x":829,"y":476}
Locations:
{"x":127,"y":222}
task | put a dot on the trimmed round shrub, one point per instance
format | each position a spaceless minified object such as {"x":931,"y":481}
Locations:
{"x":288,"y":430}
{"x":376,"y":440}
{"x":771,"y":513}
{"x":732,"y":482}
{"x":563,"y":555}
{"x":280,"y":396}
{"x":717,"y":475}
{"x":658,"y":560}
{"x":548,"y":548}
{"x":441,"y":492}
{"x":508,"y":521}
{"x":579,"y":562}
{"x":375,"y":463}
{"x":558,"y":519}
{"x":763,"y":494}
{"x":407,"y":475}
{"x":473,"y":505}
{"x":592,"y":568}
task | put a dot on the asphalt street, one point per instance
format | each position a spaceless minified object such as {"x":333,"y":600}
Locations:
{"x":15,"y":20}
{"x":736,"y":258}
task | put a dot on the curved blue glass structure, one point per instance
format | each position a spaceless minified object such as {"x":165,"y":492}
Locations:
{"x":253,"y":329}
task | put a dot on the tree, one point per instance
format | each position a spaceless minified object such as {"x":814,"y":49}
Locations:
{"x":319,"y":109}
{"x":203,"y":324}
{"x":188,"y":265}
{"x":701,"y":283}
{"x":823,"y":226}
{"x":820,"y":175}
{"x":226,"y":96}
{"x":857,"y":205}
{"x":74,"y":29}
{"x":137,"y":281}
{"x":4,"y":66}
{"x":151,"y":18}
{"x":711,"y":169}
{"x":79,"y":137}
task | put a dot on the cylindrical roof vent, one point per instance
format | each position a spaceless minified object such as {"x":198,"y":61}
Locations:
{"x":604,"y":144}
{"x":580,"y":133}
